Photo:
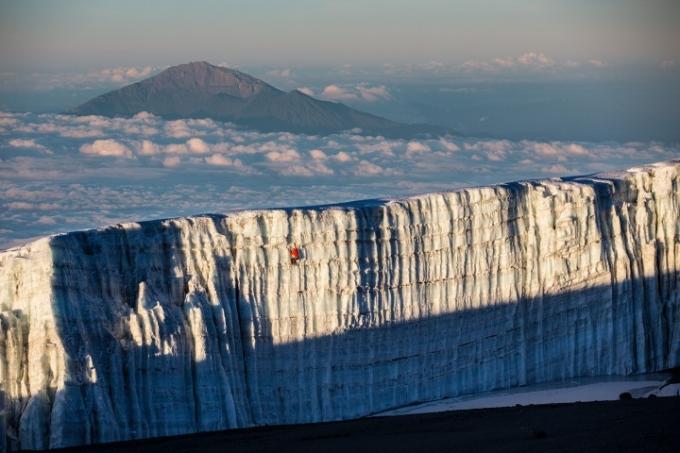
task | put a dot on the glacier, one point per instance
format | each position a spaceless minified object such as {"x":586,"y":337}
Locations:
{"x":202,"y":323}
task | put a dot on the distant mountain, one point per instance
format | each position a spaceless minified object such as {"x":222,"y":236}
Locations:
{"x":203,"y":90}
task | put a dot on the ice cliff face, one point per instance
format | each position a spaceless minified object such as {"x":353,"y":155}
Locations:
{"x":203,"y":323}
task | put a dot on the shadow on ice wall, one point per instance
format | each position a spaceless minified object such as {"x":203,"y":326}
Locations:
{"x":151,"y":350}
{"x":139,"y":392}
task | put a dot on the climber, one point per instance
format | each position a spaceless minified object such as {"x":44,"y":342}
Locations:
{"x":294,"y":254}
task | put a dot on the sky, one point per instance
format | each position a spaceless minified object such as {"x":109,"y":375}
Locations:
{"x":531,"y":89}
{"x":534,"y":69}
{"x":59,"y":35}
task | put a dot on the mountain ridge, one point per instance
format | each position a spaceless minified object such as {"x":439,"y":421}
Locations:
{"x":200,"y":89}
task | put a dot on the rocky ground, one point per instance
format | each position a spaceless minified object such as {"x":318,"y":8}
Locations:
{"x":631,"y":425}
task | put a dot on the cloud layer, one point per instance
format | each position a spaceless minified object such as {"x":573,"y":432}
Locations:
{"x":530,"y":63}
{"x":96,"y":78}
{"x":360,"y":92}
{"x":60,"y":172}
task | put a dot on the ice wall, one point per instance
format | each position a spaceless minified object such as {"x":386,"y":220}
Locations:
{"x":203,"y":323}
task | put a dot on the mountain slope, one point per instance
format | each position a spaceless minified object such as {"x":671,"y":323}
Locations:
{"x":203,"y":323}
{"x":203,"y":90}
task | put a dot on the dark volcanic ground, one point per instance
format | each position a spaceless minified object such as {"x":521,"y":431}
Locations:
{"x":634,"y":425}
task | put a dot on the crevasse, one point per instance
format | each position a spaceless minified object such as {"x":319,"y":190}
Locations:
{"x":202,"y":323}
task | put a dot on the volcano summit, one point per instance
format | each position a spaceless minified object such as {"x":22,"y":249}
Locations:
{"x":202,"y":90}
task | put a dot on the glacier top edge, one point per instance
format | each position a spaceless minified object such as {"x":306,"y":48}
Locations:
{"x":361,"y":204}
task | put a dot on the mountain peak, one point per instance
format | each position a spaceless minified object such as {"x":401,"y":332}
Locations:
{"x":209,"y":79}
{"x":198,"y":67}
{"x":199,"y":64}
{"x":202,"y":90}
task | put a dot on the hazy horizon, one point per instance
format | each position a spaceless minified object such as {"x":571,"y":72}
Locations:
{"x":558,"y":70}
{"x":82,"y":35}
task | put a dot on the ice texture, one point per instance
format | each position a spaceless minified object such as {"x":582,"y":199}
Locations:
{"x":203,"y":323}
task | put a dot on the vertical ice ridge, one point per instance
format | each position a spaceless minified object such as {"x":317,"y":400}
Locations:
{"x":203,"y":323}
{"x":31,"y":353}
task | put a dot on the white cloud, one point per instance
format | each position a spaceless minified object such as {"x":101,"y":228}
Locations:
{"x":556,"y":149}
{"x":29,"y":144}
{"x":414,"y":148}
{"x":8,"y":122}
{"x":107,"y":148}
{"x":148,"y":148}
{"x":172,"y":161}
{"x":95,"y":78}
{"x":343,"y":156}
{"x":317,"y":154}
{"x":320,"y":168}
{"x":496,"y":146}
{"x":81,"y":132}
{"x":145,"y":117}
{"x":374,"y":93}
{"x":576,"y":149}
{"x":361,"y":92}
{"x":178,"y":129}
{"x":366,"y":168}
{"x":168,"y":176}
{"x":176,"y":148}
{"x":448,"y":145}
{"x":122,"y":74}
{"x":528,"y":61}
{"x":306,"y":90}
{"x":474,"y":65}
{"x":557,"y":169}
{"x":507,"y":62}
{"x":295,"y":170}
{"x":198,"y":146}
{"x":287,"y":155}
{"x":545,"y":149}
{"x":597,"y":63}
{"x":219,"y":160}
{"x":19,"y":205}
{"x":46,"y":220}
{"x":336,"y":93}
{"x":384,"y":147}
{"x":535,"y":59}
